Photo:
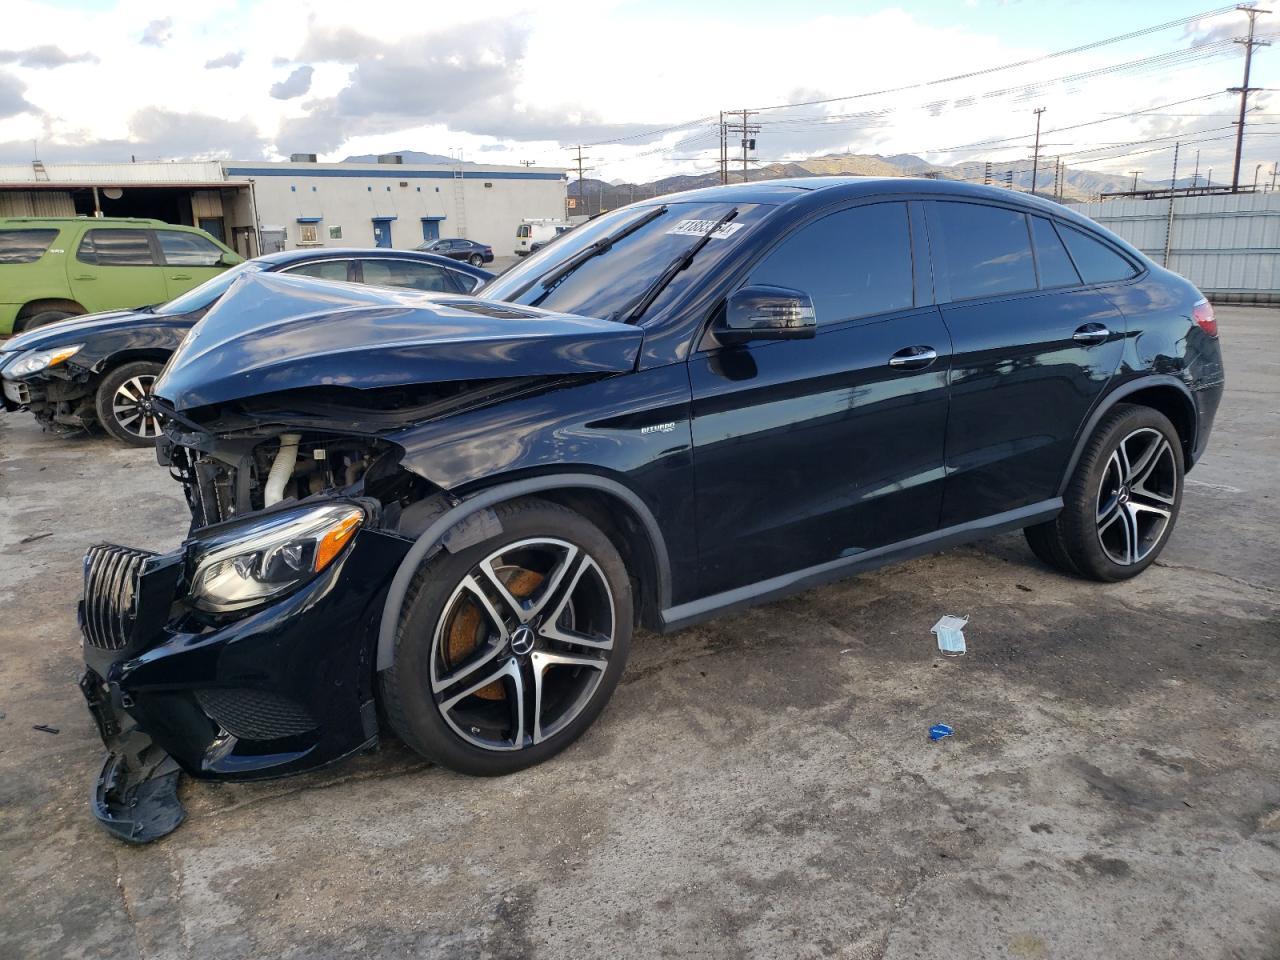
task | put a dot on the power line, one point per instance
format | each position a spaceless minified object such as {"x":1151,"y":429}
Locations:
{"x":1144,"y":31}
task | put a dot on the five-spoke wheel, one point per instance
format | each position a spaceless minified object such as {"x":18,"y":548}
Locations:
{"x":509,"y":649}
{"x":1122,"y":500}
{"x":123,"y":403}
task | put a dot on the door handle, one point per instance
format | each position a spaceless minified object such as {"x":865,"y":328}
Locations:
{"x":1091,"y":333}
{"x":179,"y":276}
{"x":84,"y":276}
{"x":913,"y":358}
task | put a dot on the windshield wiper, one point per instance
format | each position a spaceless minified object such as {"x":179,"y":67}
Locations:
{"x":632,"y":314}
{"x":549,"y":280}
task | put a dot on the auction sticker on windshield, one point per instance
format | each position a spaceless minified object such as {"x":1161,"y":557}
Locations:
{"x":700,"y":228}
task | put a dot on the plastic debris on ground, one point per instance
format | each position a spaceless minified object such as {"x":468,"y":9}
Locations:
{"x":938,"y":731}
{"x":950,"y":633}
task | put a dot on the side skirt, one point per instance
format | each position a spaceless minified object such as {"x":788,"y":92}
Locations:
{"x":775,"y":588}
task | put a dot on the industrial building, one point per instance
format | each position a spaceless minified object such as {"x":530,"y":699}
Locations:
{"x":260,"y":206}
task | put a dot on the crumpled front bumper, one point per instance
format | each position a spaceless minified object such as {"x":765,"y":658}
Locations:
{"x":281,"y":689}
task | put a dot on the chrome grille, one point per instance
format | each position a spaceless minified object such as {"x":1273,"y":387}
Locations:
{"x":109,"y":609}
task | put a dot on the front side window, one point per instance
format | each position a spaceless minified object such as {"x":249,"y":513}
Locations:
{"x":610,"y":284}
{"x":415,"y":276}
{"x":321,"y":270}
{"x":188,"y":249}
{"x":988,"y":251}
{"x":1055,"y":266}
{"x":116,"y":248}
{"x":1097,"y":262}
{"x":24,"y":246}
{"x":855,"y":263}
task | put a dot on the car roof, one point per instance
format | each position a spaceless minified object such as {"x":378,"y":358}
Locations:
{"x":284,"y":258}
{"x":96,"y":221}
{"x":798,"y":189}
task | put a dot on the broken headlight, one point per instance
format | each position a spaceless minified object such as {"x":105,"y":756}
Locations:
{"x":36,"y":360}
{"x":270,"y":557}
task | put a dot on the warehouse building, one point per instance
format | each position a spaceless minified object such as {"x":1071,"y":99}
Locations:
{"x":260,"y":206}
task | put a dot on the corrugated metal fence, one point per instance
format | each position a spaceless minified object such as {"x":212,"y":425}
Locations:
{"x":1228,"y":245}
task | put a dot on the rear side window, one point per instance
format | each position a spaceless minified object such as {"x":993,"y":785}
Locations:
{"x":321,"y":270}
{"x":988,"y":251}
{"x":24,"y":246}
{"x":1051,"y":256}
{"x":416,"y":276}
{"x":188,"y":249}
{"x":1097,"y":262}
{"x":855,"y":263}
{"x":523,"y":230}
{"x":116,"y":248}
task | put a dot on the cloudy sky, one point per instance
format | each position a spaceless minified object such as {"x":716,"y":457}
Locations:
{"x":637,"y":81}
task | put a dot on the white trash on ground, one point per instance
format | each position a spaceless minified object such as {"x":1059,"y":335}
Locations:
{"x":950,"y":633}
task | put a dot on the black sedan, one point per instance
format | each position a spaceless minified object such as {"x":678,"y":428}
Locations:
{"x":98,"y":369}
{"x":468,"y":251}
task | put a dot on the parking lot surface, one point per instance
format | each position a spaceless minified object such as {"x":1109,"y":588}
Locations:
{"x":762,"y":786}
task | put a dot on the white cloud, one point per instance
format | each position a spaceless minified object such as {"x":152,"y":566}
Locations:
{"x":524,"y":80}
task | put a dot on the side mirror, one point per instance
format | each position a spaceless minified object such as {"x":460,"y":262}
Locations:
{"x":230,"y":259}
{"x":766,"y":313}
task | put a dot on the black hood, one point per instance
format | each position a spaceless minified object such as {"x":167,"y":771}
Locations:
{"x":76,"y":329}
{"x":270,"y":333}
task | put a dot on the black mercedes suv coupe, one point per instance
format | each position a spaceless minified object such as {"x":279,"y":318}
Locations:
{"x":445,"y":515}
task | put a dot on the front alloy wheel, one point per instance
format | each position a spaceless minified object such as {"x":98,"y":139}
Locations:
{"x":507,"y":651}
{"x":123,"y":402}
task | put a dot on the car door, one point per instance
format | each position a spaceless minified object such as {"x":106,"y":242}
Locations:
{"x":1034,"y":348}
{"x":413,"y":274}
{"x":189,"y":260}
{"x":808,"y":451}
{"x":116,"y":267}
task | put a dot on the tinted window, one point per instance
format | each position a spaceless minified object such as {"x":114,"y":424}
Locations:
{"x":188,"y":249}
{"x":321,"y":270}
{"x":203,"y":296}
{"x":611,"y":283}
{"x":1051,"y":256}
{"x":24,"y":246}
{"x":116,"y":248}
{"x":987,"y":249}
{"x":853,"y":264}
{"x":415,"y":276}
{"x":1097,"y":262}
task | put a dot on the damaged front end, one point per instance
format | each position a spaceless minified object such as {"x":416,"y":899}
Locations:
{"x":249,"y":652}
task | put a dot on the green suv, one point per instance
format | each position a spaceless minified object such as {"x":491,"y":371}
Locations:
{"x":56,"y":267}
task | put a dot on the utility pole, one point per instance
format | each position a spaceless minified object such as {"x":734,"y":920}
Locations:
{"x":582,"y":192}
{"x":1035,"y":157}
{"x":528,"y":163}
{"x":747,"y":129}
{"x":1244,"y":89}
{"x":1168,"y":224}
{"x":1135,"y":173}
{"x":724,"y":150}
{"x":1275,"y":168}
{"x":1057,"y":179}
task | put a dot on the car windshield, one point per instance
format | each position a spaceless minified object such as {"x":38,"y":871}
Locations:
{"x":203,"y":296}
{"x":617,"y":276}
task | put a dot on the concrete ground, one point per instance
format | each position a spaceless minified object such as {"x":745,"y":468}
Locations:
{"x":759,"y":787}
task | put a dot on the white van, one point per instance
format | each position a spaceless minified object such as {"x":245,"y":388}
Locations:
{"x":532,"y":232}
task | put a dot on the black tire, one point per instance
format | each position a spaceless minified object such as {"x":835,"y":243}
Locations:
{"x":116,"y":411}
{"x":1122,"y":503}
{"x":416,"y":690}
{"x":476,"y":260}
{"x":44,"y":318}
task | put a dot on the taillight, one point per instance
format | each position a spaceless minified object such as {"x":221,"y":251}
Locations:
{"x":1202,"y":314}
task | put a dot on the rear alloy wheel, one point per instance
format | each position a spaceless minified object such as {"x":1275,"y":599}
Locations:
{"x":476,"y":260}
{"x":508,"y":650}
{"x":122,"y":402}
{"x":1122,"y":501}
